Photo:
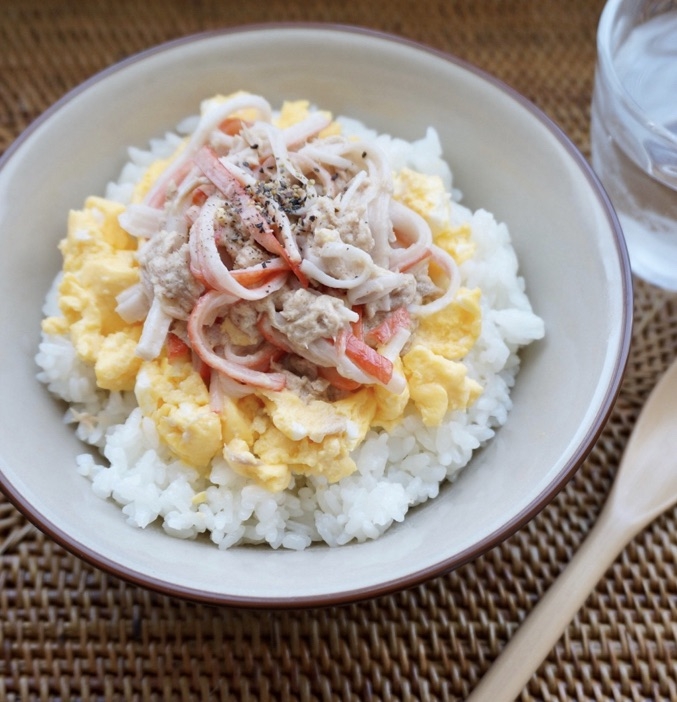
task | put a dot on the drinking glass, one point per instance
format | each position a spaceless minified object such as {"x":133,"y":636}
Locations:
{"x":634,"y":129}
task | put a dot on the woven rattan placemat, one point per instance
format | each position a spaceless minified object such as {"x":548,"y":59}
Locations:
{"x":68,"y":631}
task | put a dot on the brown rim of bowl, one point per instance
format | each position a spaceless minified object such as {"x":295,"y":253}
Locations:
{"x":447,"y":565}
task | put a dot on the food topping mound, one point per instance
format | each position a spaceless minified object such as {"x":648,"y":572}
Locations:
{"x":274,"y":290}
{"x":293,"y":236}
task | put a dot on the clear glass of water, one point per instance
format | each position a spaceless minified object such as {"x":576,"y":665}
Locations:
{"x":634,"y":129}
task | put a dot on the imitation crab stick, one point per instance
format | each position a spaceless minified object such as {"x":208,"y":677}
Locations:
{"x":368,"y":360}
{"x":259,"y":227}
{"x":385,"y":331}
{"x":207,"y":308}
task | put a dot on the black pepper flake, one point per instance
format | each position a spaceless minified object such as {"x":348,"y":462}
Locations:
{"x":312,"y":218}
{"x":335,"y":176}
{"x":255,"y":146}
{"x":364,"y":154}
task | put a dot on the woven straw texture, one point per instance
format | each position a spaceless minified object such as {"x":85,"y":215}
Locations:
{"x":68,"y":631}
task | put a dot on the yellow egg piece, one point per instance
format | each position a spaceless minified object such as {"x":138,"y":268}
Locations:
{"x":93,"y":229}
{"x":437,"y":385}
{"x":424,"y":194}
{"x":328,"y":458}
{"x":272,"y":476}
{"x":116,"y":363}
{"x":456,"y":241}
{"x":238,"y":418}
{"x":390,"y":407}
{"x":175,"y":397}
{"x":297,"y":419}
{"x":83,"y":317}
{"x":452,"y":331}
{"x":269,"y":439}
{"x":57,"y":326}
{"x":361,"y":408}
{"x":99,"y":263}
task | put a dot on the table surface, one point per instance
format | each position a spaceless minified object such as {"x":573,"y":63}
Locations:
{"x":69,"y":631}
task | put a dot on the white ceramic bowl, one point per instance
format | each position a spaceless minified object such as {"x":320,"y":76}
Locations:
{"x":506,"y":156}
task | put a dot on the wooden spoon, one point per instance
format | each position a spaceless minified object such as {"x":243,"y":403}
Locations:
{"x":645,"y":486}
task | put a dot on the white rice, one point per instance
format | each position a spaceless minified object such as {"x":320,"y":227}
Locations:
{"x":396,"y":470}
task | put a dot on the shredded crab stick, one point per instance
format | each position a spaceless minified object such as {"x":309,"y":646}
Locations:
{"x":207,"y":309}
{"x":252,"y":218}
{"x":368,"y":359}
{"x":209,"y":123}
{"x":260,"y":245}
{"x":208,"y":266}
{"x":414,"y":235}
{"x":395,"y":321}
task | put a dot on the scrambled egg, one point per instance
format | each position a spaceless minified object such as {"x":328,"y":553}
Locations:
{"x":99,"y":263}
{"x":268,"y":436}
{"x":175,"y":397}
{"x":276,"y":434}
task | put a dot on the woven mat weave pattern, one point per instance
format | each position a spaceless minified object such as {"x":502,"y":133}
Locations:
{"x":69,"y":631}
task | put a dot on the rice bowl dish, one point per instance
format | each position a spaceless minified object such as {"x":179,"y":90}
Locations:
{"x":385,"y":415}
{"x":568,"y":242}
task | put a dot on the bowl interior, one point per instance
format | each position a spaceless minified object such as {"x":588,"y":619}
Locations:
{"x":505,"y":157}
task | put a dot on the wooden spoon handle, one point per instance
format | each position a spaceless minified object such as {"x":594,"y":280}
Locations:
{"x":542,"y":628}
